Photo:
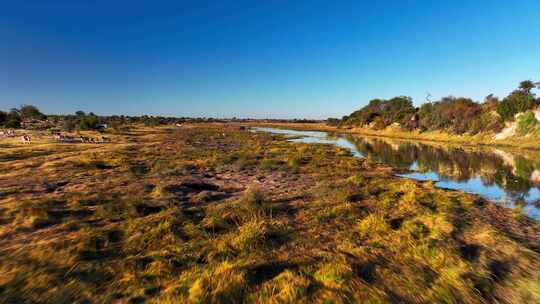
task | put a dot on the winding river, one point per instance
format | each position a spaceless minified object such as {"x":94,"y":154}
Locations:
{"x":510,"y":178}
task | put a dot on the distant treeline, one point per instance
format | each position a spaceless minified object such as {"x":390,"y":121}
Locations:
{"x":15,"y":117}
{"x":452,"y":114}
{"x":30,"y":117}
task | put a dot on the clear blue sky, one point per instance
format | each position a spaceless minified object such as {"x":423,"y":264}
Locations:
{"x":311,"y":59}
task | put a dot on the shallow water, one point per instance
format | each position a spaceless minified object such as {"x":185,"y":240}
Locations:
{"x":510,"y":178}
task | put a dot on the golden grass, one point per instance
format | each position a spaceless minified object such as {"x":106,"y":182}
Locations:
{"x":188,"y":215}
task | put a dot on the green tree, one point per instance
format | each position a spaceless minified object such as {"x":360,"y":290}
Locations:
{"x":89,"y":122}
{"x":333,"y":122}
{"x":80,"y":113}
{"x":30,"y":112}
{"x":13,"y":119}
{"x":3,"y":118}
{"x":383,"y":112}
{"x":527,"y":85}
{"x":152,"y":121}
{"x":518,"y":101}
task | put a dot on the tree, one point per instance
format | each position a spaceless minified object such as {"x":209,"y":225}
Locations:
{"x":450,"y":113}
{"x":527,"y":85}
{"x":3,"y":118}
{"x":506,"y":109}
{"x":69,"y":124}
{"x":30,"y":112}
{"x":491,"y":99}
{"x":13,"y":119}
{"x":80,"y":113}
{"x":518,"y":101}
{"x":89,"y":122}
{"x":152,"y":121}
{"x":333,"y":122}
{"x":382,"y":113}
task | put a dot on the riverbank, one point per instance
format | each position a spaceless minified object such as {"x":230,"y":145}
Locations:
{"x":530,"y":143}
{"x":211,"y":213}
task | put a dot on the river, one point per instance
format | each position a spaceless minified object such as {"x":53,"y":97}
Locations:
{"x":510,"y":178}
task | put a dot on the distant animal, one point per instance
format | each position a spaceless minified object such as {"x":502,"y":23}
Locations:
{"x":105,"y":139}
{"x":64,"y":138}
{"x":84,"y":139}
{"x":25,"y":139}
{"x":7,"y":133}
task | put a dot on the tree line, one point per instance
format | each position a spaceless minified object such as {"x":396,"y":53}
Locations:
{"x":452,"y":114}
{"x":30,"y":117}
{"x":14,"y":117}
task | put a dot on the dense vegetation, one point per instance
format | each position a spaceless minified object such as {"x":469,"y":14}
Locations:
{"x":456,"y":115}
{"x":30,"y":117}
{"x":15,"y":117}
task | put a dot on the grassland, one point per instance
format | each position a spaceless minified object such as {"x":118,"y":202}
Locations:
{"x":213,"y":214}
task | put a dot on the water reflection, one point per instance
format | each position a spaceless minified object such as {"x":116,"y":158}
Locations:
{"x":510,"y":178}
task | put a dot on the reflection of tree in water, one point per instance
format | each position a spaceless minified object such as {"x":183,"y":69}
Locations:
{"x":451,"y":163}
{"x":379,"y":151}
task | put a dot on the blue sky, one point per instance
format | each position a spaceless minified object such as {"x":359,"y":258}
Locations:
{"x":279,"y":59}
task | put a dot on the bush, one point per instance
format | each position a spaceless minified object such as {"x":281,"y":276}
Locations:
{"x":526,"y":123}
{"x":486,"y":122}
{"x":3,"y":117}
{"x":90,"y":122}
{"x":333,"y":122}
{"x":13,"y":120}
{"x":516,"y":102}
{"x":152,"y":121}
{"x":383,"y":113}
{"x":453,"y":114}
{"x":69,"y":125}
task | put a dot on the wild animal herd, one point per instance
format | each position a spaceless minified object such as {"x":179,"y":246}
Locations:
{"x":82,"y":139}
{"x":58,"y":137}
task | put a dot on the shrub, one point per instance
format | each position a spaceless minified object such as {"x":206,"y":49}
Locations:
{"x":453,"y":114}
{"x":383,"y":112}
{"x":526,"y":123}
{"x":13,"y":119}
{"x":486,"y":122}
{"x":254,"y":196}
{"x":516,"y":102}
{"x":333,"y":122}
{"x":90,"y":122}
{"x":12,"y":123}
{"x":3,"y":117}
{"x":152,"y":121}
{"x":69,"y":125}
